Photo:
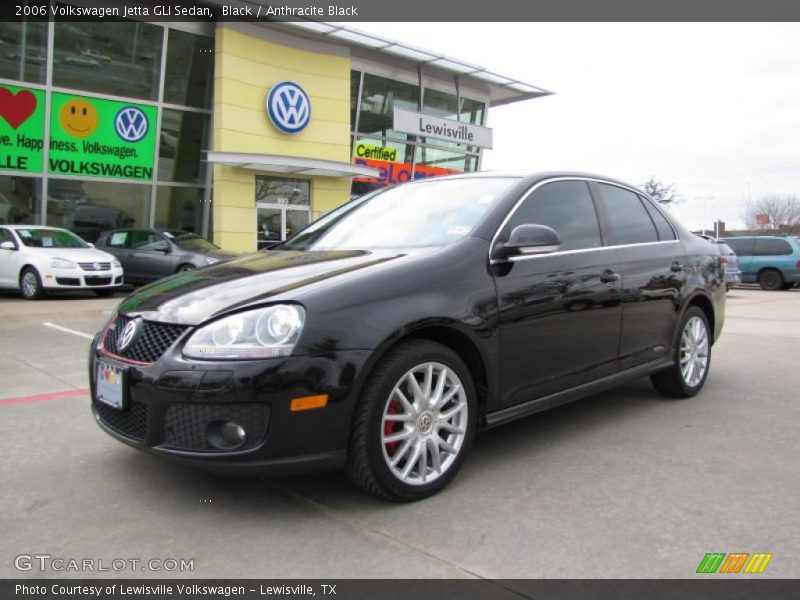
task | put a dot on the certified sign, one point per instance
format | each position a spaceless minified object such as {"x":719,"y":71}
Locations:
{"x":288,"y":107}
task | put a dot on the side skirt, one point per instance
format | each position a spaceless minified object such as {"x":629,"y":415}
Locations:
{"x":530,"y":407}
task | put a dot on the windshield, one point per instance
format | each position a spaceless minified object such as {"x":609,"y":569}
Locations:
{"x":189,"y":241}
{"x":50,"y":238}
{"x":428,"y":213}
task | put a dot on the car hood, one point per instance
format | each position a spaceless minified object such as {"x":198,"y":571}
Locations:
{"x":192,"y":297}
{"x":73,"y":254}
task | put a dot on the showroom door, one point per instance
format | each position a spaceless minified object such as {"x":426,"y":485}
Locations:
{"x":283,"y":207}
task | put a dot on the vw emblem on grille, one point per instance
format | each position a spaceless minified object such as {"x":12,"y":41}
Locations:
{"x":288,"y":107}
{"x":131,"y":124}
{"x":96,"y":266}
{"x":129,"y":334}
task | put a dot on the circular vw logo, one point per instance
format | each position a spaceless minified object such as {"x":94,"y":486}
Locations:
{"x":129,"y":334}
{"x":131,"y":124}
{"x":96,"y":266}
{"x":288,"y":107}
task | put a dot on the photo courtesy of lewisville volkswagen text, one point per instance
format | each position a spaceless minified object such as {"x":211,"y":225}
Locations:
{"x":305,"y":303}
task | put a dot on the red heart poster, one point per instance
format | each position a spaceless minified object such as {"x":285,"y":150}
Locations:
{"x":16,"y":108}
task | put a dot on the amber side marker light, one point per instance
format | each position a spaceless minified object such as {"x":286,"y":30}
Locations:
{"x":309,"y":402}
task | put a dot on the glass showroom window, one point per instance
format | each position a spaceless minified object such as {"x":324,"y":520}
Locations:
{"x":19,"y":199}
{"x":121,"y":59}
{"x":379,"y":98}
{"x":184,"y":135}
{"x":386,"y":150}
{"x":355,"y":82}
{"x":283,"y":208}
{"x":443,"y":159}
{"x":179,"y":208}
{"x":23,"y":52}
{"x":88,"y":207}
{"x":190,"y":63}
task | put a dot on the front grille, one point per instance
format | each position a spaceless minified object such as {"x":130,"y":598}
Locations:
{"x":187,"y":424}
{"x":131,"y":422}
{"x":97,"y":280}
{"x":150,"y":344}
{"x":68,"y":281}
{"x":99,"y":266}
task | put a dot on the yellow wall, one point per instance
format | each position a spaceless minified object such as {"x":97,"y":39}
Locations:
{"x":246,"y":68}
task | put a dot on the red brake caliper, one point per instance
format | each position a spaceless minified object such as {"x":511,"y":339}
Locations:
{"x":392,"y":426}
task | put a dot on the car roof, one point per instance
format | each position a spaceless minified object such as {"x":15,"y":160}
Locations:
{"x":534,"y":176}
{"x":30,"y":226}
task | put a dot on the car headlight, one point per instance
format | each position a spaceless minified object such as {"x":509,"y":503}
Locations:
{"x":116,"y":264}
{"x":210,"y":261}
{"x":60,"y":263}
{"x":264,"y":333}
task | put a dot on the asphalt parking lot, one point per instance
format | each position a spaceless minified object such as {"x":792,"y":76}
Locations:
{"x":622,"y":484}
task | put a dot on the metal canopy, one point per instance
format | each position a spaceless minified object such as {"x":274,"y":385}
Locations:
{"x":294,"y":165}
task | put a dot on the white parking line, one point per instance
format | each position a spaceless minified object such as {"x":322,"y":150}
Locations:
{"x":67,"y":330}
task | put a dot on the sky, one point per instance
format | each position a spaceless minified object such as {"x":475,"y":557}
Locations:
{"x":713,"y":108}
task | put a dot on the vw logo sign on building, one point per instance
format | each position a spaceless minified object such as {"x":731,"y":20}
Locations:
{"x":288,"y":107}
{"x":131,"y":124}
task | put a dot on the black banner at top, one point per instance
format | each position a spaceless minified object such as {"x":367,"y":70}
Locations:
{"x":353,"y":11}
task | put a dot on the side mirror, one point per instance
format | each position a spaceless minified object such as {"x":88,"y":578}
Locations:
{"x":7,"y":245}
{"x":91,"y":245}
{"x":526,"y":240}
{"x":162,"y":247}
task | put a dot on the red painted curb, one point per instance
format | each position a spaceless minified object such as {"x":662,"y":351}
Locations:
{"x":41,"y":397}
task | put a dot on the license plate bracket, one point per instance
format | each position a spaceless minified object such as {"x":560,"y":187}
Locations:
{"x":111,"y":385}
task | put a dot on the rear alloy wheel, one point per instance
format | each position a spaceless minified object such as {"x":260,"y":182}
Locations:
{"x":415,"y":423}
{"x":770,"y":280}
{"x":692,"y":358}
{"x":31,"y":284}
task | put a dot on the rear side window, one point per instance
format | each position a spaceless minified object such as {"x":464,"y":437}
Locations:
{"x":742,"y":246}
{"x":772,"y":247}
{"x":664,"y":229}
{"x":629,"y":219}
{"x":567,"y":207}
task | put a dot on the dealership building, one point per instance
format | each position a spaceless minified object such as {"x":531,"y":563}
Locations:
{"x":242,"y":132}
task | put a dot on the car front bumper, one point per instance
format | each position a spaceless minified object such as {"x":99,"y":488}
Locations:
{"x":80,"y":279}
{"x":174,"y":405}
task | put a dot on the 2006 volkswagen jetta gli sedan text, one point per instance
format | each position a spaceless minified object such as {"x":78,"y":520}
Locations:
{"x":382,"y":337}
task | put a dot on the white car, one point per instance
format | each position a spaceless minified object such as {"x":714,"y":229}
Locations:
{"x":38,"y":259}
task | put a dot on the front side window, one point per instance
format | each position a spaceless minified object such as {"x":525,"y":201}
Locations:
{"x":427,"y":213}
{"x":629,"y":218}
{"x":50,"y":238}
{"x":772,"y":247}
{"x":145,"y":240}
{"x":567,"y":207}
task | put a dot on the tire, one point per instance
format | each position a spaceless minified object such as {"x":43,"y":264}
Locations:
{"x":31,"y":284}
{"x":676,"y":382}
{"x":104,"y":293}
{"x":185,"y":267}
{"x":770,"y":280}
{"x":379,"y":416}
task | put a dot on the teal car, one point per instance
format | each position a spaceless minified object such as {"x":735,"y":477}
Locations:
{"x":771,"y":261}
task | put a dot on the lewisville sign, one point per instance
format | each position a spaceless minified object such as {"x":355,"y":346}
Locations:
{"x":442,"y":129}
{"x":89,"y":137}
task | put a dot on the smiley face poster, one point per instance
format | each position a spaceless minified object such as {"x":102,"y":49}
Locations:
{"x":95,"y":137}
{"x":21,"y":129}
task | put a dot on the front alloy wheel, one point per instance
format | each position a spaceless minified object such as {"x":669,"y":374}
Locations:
{"x":414,"y":422}
{"x":424,"y":424}
{"x":31,"y":284}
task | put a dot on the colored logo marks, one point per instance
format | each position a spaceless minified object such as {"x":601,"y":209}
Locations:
{"x":131,"y":124}
{"x":16,"y":108}
{"x":736,"y":562}
{"x":288,"y":107}
{"x":78,"y":118}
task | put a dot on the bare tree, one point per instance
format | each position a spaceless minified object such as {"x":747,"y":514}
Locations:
{"x":661,"y":192}
{"x":774,"y":213}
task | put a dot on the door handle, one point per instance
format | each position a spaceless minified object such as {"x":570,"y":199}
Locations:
{"x":677,"y":267}
{"x":609,"y":277}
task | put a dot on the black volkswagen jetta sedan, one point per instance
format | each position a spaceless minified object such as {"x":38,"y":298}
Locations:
{"x":382,"y":337}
